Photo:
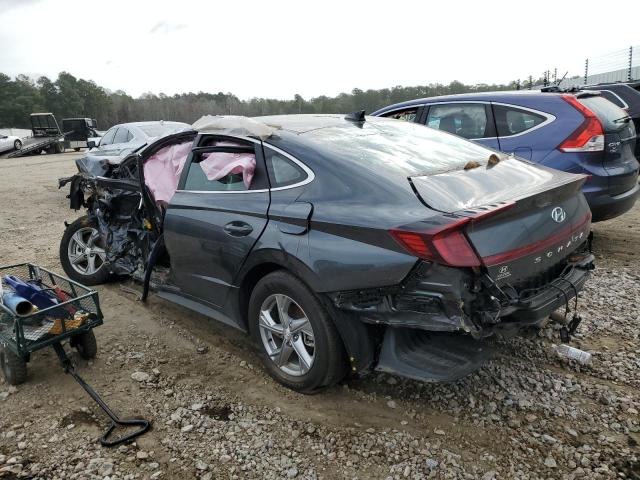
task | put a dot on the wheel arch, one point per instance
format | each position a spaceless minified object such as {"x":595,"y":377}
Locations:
{"x":355,"y":335}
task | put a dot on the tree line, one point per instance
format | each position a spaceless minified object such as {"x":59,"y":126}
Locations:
{"x":69,"y":96}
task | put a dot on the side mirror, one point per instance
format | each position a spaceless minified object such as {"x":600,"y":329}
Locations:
{"x":91,"y":144}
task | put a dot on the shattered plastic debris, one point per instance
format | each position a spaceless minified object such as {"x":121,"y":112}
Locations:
{"x":233,"y":125}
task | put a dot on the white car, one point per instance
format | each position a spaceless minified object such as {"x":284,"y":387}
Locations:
{"x":120,"y":140}
{"x":10,"y":142}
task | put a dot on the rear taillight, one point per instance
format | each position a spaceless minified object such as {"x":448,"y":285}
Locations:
{"x":446,"y":244}
{"x":589,"y":136}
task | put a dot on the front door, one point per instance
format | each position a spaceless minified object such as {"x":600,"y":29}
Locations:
{"x":210,"y":226}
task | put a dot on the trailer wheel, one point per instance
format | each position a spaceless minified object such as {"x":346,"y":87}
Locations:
{"x":13,"y":367}
{"x":86,"y":345}
{"x":77,"y":149}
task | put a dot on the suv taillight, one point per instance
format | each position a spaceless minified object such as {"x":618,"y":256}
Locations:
{"x":589,"y":136}
{"x":446,"y":244}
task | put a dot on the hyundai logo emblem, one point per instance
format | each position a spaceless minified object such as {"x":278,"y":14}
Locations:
{"x":558,"y":214}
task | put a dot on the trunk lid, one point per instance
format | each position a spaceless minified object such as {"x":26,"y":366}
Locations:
{"x":525,"y":218}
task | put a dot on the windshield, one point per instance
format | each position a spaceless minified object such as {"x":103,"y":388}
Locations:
{"x":395,"y":145}
{"x":162,"y":129}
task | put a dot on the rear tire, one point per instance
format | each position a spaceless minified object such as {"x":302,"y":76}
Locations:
{"x":77,"y":149}
{"x":69,"y":252}
{"x":13,"y":367}
{"x":17,"y":145}
{"x":319,"y":338}
{"x":86,"y":345}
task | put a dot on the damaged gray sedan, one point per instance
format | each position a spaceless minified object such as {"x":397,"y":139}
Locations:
{"x":340,"y":244}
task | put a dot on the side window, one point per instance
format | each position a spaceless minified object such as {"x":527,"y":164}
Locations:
{"x":122,"y":135}
{"x":468,"y":120}
{"x":408,"y":115}
{"x":512,"y":120}
{"x":224,"y":171}
{"x":282,"y":171}
{"x":108,"y":137}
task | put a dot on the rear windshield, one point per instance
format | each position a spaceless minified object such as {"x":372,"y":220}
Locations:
{"x":402,"y":147}
{"x":160,"y":130}
{"x":613,"y":118}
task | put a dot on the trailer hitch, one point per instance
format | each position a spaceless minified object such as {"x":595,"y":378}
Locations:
{"x":105,"y":440}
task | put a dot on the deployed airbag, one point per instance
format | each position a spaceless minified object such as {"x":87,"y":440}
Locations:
{"x":162,"y":170}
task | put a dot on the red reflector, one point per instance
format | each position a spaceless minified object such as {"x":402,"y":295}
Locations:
{"x":413,"y":242}
{"x":589,"y":136}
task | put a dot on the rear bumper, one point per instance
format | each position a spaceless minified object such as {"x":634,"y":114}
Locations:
{"x":443,"y":357}
{"x":557,"y":294}
{"x":605,"y":207}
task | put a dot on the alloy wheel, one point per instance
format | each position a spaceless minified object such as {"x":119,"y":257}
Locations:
{"x":287,"y":334}
{"x":85,"y":255}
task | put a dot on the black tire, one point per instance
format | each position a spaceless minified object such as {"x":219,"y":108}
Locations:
{"x":76,"y":149}
{"x":330,"y":360}
{"x":86,"y":345}
{"x":13,"y":367}
{"x":102,"y":275}
{"x":17,"y":145}
{"x":59,"y":148}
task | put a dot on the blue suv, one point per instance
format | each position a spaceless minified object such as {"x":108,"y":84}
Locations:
{"x":578,"y":133}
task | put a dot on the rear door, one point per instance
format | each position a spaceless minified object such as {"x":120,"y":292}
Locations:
{"x":515,"y":126}
{"x":470,"y":120}
{"x":210,"y":226}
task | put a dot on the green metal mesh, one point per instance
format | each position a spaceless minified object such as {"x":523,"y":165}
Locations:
{"x":37,"y":330}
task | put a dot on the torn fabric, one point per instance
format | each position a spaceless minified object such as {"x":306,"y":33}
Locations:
{"x":233,"y":125}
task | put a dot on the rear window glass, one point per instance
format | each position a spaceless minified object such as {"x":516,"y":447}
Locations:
{"x":397,"y":147}
{"x":611,"y":116}
{"x":612,"y":97}
{"x":161,"y":130}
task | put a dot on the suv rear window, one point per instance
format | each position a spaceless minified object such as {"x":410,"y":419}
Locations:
{"x":609,"y":114}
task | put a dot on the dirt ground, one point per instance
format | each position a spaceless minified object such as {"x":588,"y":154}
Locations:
{"x":526,"y":414}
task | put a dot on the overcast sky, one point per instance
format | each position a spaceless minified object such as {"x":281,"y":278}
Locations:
{"x":280,"y":48}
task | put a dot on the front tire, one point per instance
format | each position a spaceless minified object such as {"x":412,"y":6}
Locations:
{"x":82,"y":254}
{"x":295,"y":337}
{"x":17,"y":145}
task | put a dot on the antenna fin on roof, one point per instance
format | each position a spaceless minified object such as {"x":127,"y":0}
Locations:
{"x":355,"y":116}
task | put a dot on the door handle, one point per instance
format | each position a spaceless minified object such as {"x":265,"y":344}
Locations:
{"x":238,"y":229}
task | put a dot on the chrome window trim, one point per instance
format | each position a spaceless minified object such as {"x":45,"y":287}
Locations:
{"x":549,"y":118}
{"x":618,"y":97}
{"x":310,"y":174}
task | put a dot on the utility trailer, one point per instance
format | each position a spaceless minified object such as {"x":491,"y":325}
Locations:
{"x":46,"y":135}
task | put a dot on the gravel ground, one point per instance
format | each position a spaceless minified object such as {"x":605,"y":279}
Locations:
{"x":216,"y":414}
